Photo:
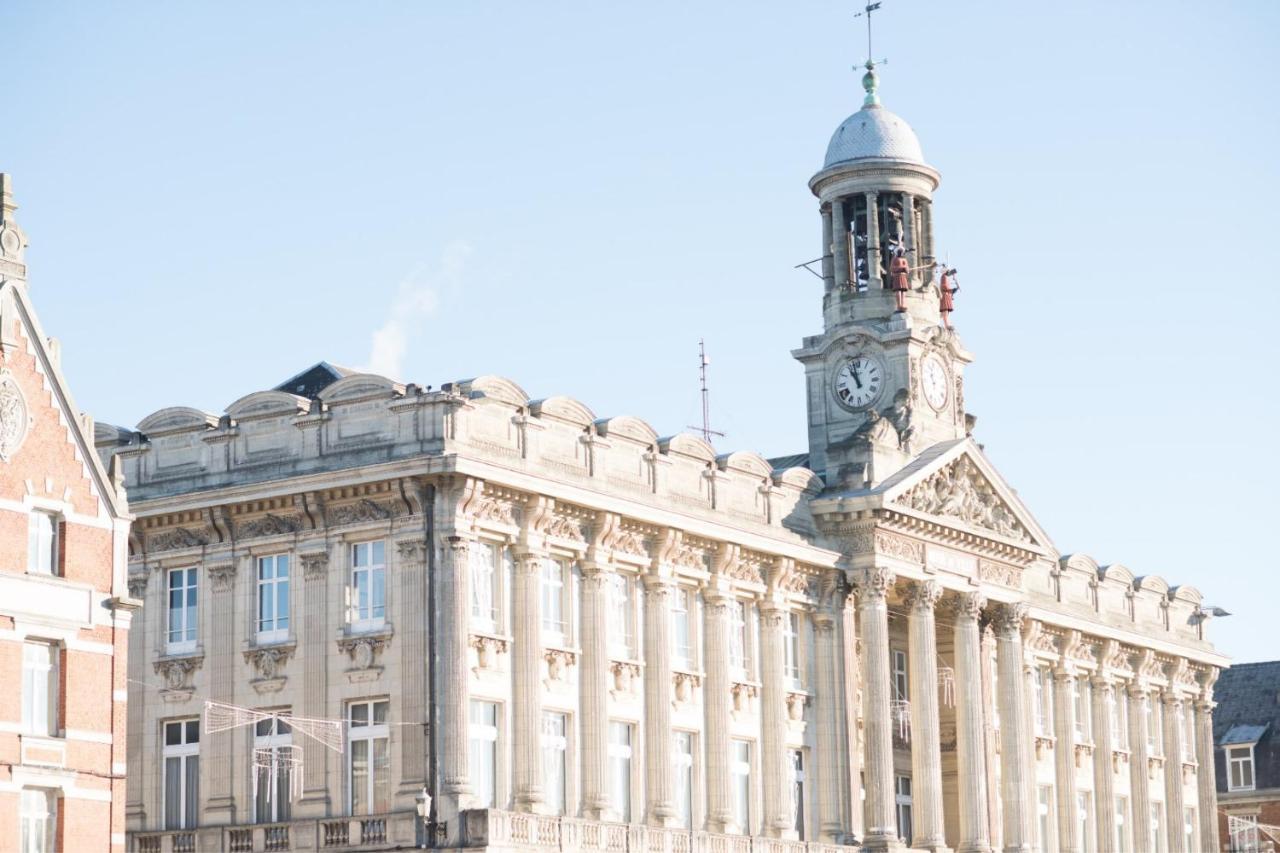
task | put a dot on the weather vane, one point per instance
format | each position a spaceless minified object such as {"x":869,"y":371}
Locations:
{"x":870,"y":7}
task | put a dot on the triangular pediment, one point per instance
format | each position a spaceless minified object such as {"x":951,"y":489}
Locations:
{"x":955,"y":485}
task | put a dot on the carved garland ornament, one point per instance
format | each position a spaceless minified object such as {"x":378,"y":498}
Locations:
{"x":178,"y":537}
{"x":269,"y":525}
{"x":15,"y":418}
{"x":959,"y":491}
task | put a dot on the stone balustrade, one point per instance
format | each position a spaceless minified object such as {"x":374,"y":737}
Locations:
{"x":339,"y":834}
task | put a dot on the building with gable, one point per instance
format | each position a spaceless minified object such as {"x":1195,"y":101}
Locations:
{"x":552,"y":630}
{"x":1246,"y":728}
{"x":64,"y":605}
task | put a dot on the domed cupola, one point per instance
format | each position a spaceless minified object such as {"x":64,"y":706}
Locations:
{"x":873,"y":133}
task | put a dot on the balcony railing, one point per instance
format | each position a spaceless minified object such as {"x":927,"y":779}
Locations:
{"x":398,"y":830}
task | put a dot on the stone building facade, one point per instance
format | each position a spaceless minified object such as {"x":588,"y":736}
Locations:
{"x":574,"y":633}
{"x":64,"y":605}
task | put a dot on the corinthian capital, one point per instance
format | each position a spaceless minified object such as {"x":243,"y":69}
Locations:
{"x":1008,"y":618}
{"x":924,"y":595}
{"x":875,"y":582}
{"x":968,"y":605}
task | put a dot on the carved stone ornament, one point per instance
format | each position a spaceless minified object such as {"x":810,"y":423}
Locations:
{"x":138,"y":585}
{"x":315,"y":565}
{"x":968,"y":605}
{"x":630,"y":542}
{"x":684,"y":684}
{"x":222,"y":576}
{"x":795,"y":706}
{"x":959,"y":491}
{"x":177,"y":673}
{"x":1000,"y":573}
{"x":875,"y":582}
{"x":411,"y":550}
{"x":15,"y":419}
{"x":175,"y":538}
{"x":625,"y":675}
{"x":489,"y":508}
{"x":924,"y":595}
{"x":268,"y":525}
{"x":364,"y":651}
{"x":269,"y":660}
{"x":562,"y":527}
{"x":361,"y":511}
{"x":487,"y":649}
{"x":1008,"y":618}
{"x":743,"y":693}
{"x":558,"y":660}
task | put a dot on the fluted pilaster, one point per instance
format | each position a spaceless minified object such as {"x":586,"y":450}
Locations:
{"x":454,"y":586}
{"x":873,"y":612}
{"x":1206,"y":784}
{"x":926,"y":748}
{"x":657,"y":700}
{"x":219,"y":804}
{"x":593,"y":682}
{"x":1104,"y":788}
{"x":773,"y":719}
{"x":1173,"y":799}
{"x":526,"y":689}
{"x":1064,"y":758}
{"x":1139,"y":772}
{"x":411,"y":627}
{"x":828,"y":703}
{"x":314,"y":635}
{"x":840,"y":243}
{"x":828,"y":251}
{"x":873,"y":241}
{"x":1016,"y":772}
{"x":717,"y":704}
{"x":970,"y":755}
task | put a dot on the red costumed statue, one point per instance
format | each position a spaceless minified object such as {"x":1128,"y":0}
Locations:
{"x":900,"y":278}
{"x":948,"y":287}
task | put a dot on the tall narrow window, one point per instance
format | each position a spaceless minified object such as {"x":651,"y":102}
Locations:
{"x":1187,"y":718}
{"x":554,"y":625}
{"x":181,"y":773}
{"x":622,"y":616}
{"x":902,"y":803}
{"x":483,"y":752}
{"x":1120,"y":717}
{"x":683,"y":769}
{"x":1244,"y":833}
{"x":791,"y":648}
{"x":482,"y":558}
{"x":901,"y":681}
{"x":1122,"y":825}
{"x":555,"y":765}
{"x":273,"y":598}
{"x":682,"y":629}
{"x":1043,"y":687}
{"x":40,"y":689}
{"x":368,"y":585}
{"x":273,"y":773}
{"x":39,"y":820}
{"x":1156,"y":827}
{"x":797,"y":792}
{"x":43,"y":546}
{"x":1188,"y":828}
{"x":370,"y":757}
{"x":739,"y":642}
{"x":1151,"y":711}
{"x":740,"y":784}
{"x":1044,"y":815}
{"x":620,"y":739}
{"x":1081,"y":697}
{"x":1084,"y":820}
{"x":181,"y":616}
{"x":1240,"y":768}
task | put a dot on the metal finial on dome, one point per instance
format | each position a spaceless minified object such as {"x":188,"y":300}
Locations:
{"x":869,"y":81}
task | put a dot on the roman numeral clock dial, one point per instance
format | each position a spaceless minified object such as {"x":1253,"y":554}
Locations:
{"x":858,"y":382}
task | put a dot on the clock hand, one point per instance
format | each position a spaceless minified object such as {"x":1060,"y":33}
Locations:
{"x":856,"y":378}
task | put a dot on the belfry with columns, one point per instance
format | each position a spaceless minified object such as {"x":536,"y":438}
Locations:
{"x":541,"y":629}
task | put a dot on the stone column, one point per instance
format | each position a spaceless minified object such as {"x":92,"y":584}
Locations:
{"x":138,"y":740}
{"x":1016,"y":771}
{"x":827,"y":706}
{"x":593,"y":675}
{"x":1064,"y":757}
{"x":453,"y":697}
{"x":315,"y":653}
{"x":411,"y":605}
{"x":926,"y":748}
{"x":657,"y":699}
{"x":873,"y":242}
{"x":773,"y":719}
{"x":849,"y":677}
{"x":717,"y":703}
{"x":990,"y":737}
{"x":909,"y":233}
{"x":828,"y":251}
{"x":219,"y":803}
{"x":1104,"y":789}
{"x":526,"y":680}
{"x":1173,"y":799}
{"x":840,"y":243}
{"x":970,"y":754}
{"x":1206,"y":784}
{"x":1139,"y":772}
{"x":882,"y":821}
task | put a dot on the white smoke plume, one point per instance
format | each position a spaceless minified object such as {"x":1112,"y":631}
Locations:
{"x":417,"y":299}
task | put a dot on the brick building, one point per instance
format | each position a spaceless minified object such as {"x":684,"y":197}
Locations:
{"x":64,"y":607}
{"x":1248,"y":756}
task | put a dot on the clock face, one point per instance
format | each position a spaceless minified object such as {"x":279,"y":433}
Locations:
{"x":858,"y":382}
{"x":934,"y":382}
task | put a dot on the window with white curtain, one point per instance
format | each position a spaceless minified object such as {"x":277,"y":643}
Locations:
{"x":369,"y":768}
{"x":1045,"y":815}
{"x":682,"y":612}
{"x":555,"y":626}
{"x":1122,"y":825}
{"x":180,"y":618}
{"x":1188,"y":829}
{"x":1120,"y":718}
{"x":274,"y":776}
{"x":739,"y":640}
{"x":555,"y":760}
{"x":1243,"y":831}
{"x":181,"y":754}
{"x":1042,"y":686}
{"x":40,"y":688}
{"x":621,"y":737}
{"x":1188,"y":719}
{"x":1155,"y":832}
{"x":683,"y":769}
{"x":1084,"y":821}
{"x":1155,"y":743}
{"x":901,"y":679}
{"x":622,"y":616}
{"x":38,"y":819}
{"x":791,"y":648}
{"x":368,"y":590}
{"x":273,"y":598}
{"x":1082,"y":697}
{"x":482,"y":559}
{"x":797,"y":792}
{"x":482,"y":736}
{"x":44,"y":547}
{"x":740,"y":784}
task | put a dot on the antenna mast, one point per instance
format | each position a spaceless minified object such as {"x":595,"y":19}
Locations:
{"x":703,"y":361}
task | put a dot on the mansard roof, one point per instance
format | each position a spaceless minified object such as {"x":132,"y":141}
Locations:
{"x":313,"y":380}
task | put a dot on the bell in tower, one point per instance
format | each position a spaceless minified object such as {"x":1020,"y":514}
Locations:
{"x":884,"y":377}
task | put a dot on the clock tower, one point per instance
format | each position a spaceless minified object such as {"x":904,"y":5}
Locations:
{"x":884,"y":380}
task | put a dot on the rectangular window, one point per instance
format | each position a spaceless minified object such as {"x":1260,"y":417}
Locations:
{"x":1155,"y":832}
{"x":555,"y":765}
{"x":43,"y":546}
{"x":40,"y":689}
{"x":1044,"y":814}
{"x":181,"y":773}
{"x":1188,"y":829}
{"x":620,"y":740}
{"x":554,"y":625}
{"x":791,"y":648}
{"x":1122,"y":825}
{"x":1084,"y":821}
{"x":683,"y":743}
{"x":739,"y":640}
{"x":1188,"y":719}
{"x":901,"y":680}
{"x":273,"y":770}
{"x":368,"y":584}
{"x":483,"y":562}
{"x":1042,"y":686}
{"x":902,"y":803}
{"x":370,"y":756}
{"x":622,"y":616}
{"x":797,"y":792}
{"x":273,"y":598}
{"x":182,"y":609}
{"x":1151,"y":710}
{"x":483,"y":752}
{"x":1081,"y":697}
{"x":740,"y":784}
{"x":1120,"y":717}
{"x":1244,"y":833}
{"x":682,"y":604}
{"x":39,"y":820}
{"x":1240,"y":768}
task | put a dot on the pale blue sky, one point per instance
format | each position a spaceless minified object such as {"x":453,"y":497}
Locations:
{"x":571,"y":194}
